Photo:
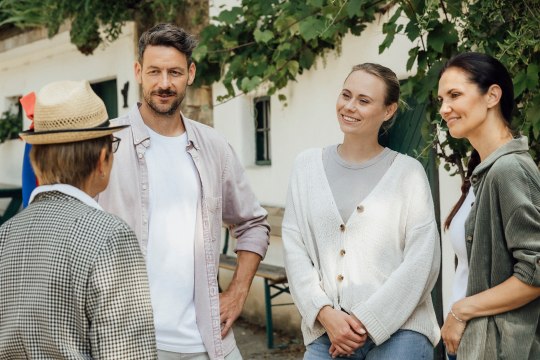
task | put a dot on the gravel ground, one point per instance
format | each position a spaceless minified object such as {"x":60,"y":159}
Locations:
{"x":251,"y":340}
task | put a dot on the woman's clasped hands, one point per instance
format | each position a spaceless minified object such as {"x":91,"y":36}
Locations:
{"x":345,"y":331}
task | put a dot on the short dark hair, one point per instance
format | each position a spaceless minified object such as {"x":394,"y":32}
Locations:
{"x":168,"y":35}
{"x":484,"y":70}
{"x":68,"y":163}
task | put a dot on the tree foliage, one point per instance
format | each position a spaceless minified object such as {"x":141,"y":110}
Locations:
{"x":274,"y":41}
{"x":505,"y":29}
{"x":92,"y":21}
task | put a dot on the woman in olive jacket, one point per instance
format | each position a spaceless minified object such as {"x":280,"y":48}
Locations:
{"x":498,"y":318}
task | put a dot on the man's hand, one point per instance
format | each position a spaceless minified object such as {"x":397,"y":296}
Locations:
{"x":232,"y":300}
{"x":345,"y":331}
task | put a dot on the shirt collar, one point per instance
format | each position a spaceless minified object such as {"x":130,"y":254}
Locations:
{"x":68,"y":190}
{"x":517,"y":145}
{"x":140,"y":131}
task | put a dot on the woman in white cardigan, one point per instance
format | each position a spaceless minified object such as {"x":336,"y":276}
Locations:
{"x":361,"y":242}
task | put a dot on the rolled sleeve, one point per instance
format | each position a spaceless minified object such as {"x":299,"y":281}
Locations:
{"x":523,"y":238}
{"x":241,"y":209}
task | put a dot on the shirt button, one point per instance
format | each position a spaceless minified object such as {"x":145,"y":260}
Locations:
{"x":340,"y":277}
{"x":144,"y":187}
{"x":342,"y":227}
{"x":360,"y":208}
{"x":342,"y":252}
{"x":140,"y":156}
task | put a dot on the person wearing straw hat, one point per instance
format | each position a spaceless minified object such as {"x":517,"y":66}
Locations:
{"x":174,"y":183}
{"x":73,"y":280}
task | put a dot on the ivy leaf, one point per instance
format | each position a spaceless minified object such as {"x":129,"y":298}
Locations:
{"x":229,"y":16}
{"x":532,"y":76}
{"x":354,"y":8}
{"x":531,"y":115}
{"x":316,"y":3}
{"x":442,"y":34}
{"x":520,"y":83}
{"x":293,"y":67}
{"x":413,"y":53}
{"x":263,"y":36}
{"x":249,"y":84}
{"x":200,"y":52}
{"x":310,"y":28}
{"x":412,"y":30}
{"x":307,"y":58}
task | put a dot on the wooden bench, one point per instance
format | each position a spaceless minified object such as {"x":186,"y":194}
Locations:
{"x":274,"y":277}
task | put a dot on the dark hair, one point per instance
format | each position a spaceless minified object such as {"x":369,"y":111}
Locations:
{"x":474,"y":160}
{"x":484,"y":71}
{"x":68,"y":163}
{"x":168,"y":35}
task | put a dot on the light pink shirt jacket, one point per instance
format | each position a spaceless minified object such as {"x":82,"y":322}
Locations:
{"x":225,"y":196}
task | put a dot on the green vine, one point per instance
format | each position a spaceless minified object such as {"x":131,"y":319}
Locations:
{"x":10,"y":125}
{"x":505,"y":29}
{"x":272,"y":42}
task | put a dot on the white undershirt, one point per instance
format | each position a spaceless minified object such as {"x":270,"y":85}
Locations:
{"x":457,"y":237}
{"x":174,"y":193}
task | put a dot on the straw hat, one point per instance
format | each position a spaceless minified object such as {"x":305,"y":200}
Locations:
{"x":68,"y":111}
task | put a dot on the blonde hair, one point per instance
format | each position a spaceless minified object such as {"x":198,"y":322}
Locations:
{"x":68,"y":163}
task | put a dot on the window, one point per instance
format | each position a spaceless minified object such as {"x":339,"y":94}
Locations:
{"x":106,"y":90}
{"x":262,"y":130}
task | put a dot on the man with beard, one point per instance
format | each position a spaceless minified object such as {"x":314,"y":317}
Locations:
{"x":175,"y":185}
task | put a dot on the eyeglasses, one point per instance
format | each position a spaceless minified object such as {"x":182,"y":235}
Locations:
{"x":115,"y":143}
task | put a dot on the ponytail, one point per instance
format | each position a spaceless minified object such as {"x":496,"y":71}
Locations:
{"x":474,"y":160}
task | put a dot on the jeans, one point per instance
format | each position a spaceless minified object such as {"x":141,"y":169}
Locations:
{"x":402,"y":345}
{"x":451,"y":357}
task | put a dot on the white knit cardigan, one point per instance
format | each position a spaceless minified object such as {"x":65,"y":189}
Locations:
{"x":381,"y":264}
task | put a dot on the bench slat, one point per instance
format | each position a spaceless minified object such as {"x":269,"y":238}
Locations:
{"x":274,"y":273}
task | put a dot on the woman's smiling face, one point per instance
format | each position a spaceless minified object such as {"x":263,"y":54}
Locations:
{"x":360,"y":107}
{"x":462,"y":105}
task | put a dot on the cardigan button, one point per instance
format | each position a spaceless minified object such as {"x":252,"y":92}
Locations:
{"x":474,"y":179}
{"x":360,"y":208}
{"x":342,"y":252}
{"x":469,"y":237}
{"x":340,"y":277}
{"x":342,"y":227}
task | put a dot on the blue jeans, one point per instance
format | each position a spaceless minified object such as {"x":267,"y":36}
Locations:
{"x":403,"y":345}
{"x":451,"y":357}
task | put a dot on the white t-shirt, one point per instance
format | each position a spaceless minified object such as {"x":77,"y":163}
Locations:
{"x":457,"y":237}
{"x":174,"y":193}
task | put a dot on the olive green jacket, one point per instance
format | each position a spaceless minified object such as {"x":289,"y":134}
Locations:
{"x":503,"y":240}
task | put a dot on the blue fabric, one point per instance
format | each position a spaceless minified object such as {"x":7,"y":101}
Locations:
{"x":403,"y":345}
{"x":29,"y":182}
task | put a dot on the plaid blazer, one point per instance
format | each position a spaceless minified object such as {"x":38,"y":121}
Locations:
{"x":73,"y":285}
